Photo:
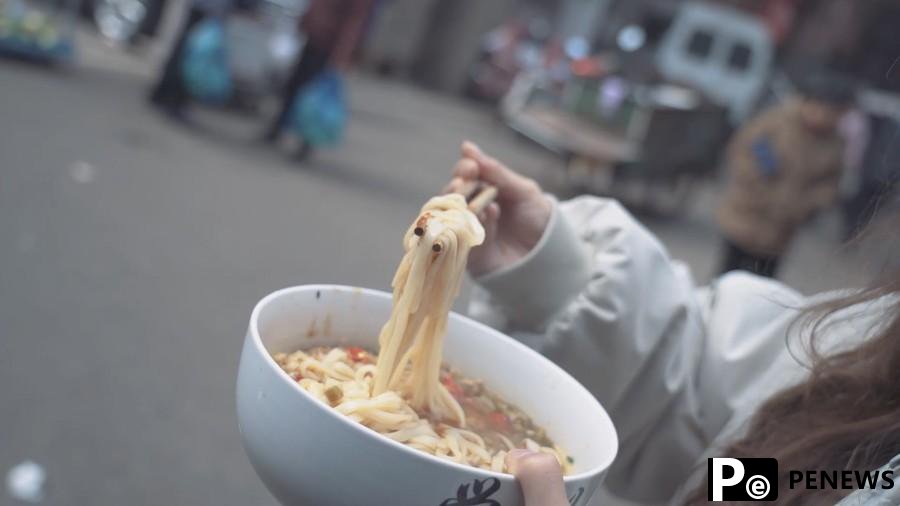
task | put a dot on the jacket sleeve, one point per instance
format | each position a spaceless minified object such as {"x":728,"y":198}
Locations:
{"x":824,"y":192}
{"x":599,"y":296}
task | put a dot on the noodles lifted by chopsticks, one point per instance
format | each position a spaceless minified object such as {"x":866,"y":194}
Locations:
{"x":427,"y":280}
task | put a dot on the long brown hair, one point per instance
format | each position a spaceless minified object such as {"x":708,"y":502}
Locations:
{"x":846,"y":415}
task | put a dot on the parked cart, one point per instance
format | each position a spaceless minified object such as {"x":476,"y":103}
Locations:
{"x":647,"y":144}
{"x":645,"y":122}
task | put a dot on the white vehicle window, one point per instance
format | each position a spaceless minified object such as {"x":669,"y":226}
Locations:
{"x":700,"y":44}
{"x":740,"y":58}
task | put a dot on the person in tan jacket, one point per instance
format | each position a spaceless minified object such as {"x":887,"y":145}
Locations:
{"x":784,"y":166}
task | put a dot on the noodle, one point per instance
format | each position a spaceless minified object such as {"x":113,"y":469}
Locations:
{"x":425,"y":285}
{"x":403,"y":396}
{"x":391,"y":415}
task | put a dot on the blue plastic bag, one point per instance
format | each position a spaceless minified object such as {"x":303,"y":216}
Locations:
{"x":319,"y":113}
{"x":204,"y":65}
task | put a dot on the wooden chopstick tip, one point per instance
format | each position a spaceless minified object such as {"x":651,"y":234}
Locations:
{"x":479,"y":202}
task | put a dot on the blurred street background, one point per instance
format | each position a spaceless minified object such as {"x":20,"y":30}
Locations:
{"x":135,"y":240}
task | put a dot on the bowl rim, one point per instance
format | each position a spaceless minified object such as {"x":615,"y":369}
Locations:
{"x":418,"y":454}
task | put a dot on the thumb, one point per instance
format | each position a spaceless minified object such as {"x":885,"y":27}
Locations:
{"x":482,"y":259}
{"x":490,"y":221}
{"x":540,"y":476}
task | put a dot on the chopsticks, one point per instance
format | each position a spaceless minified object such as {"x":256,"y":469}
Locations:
{"x":478,"y":195}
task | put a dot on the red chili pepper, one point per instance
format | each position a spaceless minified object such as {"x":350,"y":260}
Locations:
{"x":499,"y":421}
{"x":452,"y":387}
{"x":356,"y":353}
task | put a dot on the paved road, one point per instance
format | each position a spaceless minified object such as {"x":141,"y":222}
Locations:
{"x":132,"y":250}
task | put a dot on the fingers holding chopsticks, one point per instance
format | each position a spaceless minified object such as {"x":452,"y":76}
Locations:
{"x":512,"y":208}
{"x":510,"y":184}
{"x":466,"y":181}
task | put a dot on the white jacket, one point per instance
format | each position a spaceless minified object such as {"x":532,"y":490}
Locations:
{"x":680,"y":369}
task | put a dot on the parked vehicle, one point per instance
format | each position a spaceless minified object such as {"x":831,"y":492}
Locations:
{"x":522,"y":44}
{"x":724,"y":53}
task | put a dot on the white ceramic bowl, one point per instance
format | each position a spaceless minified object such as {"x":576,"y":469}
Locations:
{"x":309,"y":455}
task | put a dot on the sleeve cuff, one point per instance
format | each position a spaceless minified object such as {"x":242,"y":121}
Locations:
{"x":533,"y":289}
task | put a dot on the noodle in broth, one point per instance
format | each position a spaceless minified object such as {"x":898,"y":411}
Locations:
{"x":405,"y":394}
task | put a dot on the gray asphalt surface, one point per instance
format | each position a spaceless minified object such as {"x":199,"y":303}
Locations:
{"x":132,"y":251}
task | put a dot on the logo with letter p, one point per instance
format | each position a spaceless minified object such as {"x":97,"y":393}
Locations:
{"x":733,"y":479}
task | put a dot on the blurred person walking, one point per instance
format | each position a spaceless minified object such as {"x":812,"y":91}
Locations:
{"x":333,"y":29}
{"x":170,"y":93}
{"x":877,"y":178}
{"x":855,"y":129}
{"x":785,"y":166}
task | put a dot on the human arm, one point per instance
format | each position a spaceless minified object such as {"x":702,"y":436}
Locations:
{"x":598,"y":294}
{"x":824,"y":191}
